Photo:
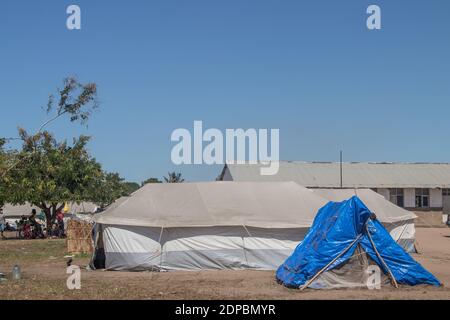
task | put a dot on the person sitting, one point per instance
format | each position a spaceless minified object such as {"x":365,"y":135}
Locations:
{"x":2,"y":224}
{"x":60,"y":221}
{"x":54,"y":232}
{"x":20,"y":226}
{"x":37,"y":232}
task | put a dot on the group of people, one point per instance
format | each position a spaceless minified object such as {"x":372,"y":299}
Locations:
{"x":31,"y":228}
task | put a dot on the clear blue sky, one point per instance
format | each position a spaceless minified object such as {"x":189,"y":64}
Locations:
{"x":310,"y":68}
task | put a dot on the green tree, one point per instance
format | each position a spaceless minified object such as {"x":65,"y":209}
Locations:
{"x":4,"y":159}
{"x":48,"y":173}
{"x":75,"y":100}
{"x":107,"y":189}
{"x":173,"y":177}
{"x":129,"y":188}
{"x":151,"y":180}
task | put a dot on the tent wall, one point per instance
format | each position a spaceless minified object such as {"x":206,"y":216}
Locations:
{"x":404,"y":233}
{"x":148,"y":248}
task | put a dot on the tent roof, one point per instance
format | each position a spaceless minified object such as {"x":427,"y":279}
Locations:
{"x":82,"y":207}
{"x":16,"y":211}
{"x":385,"y":210}
{"x":260,"y":204}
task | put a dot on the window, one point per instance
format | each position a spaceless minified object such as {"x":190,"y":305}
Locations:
{"x":446,"y":192}
{"x":397,"y":197}
{"x":422,"y":198}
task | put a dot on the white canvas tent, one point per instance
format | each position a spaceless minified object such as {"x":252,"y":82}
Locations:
{"x":214,"y":225}
{"x":17,"y":211}
{"x":220,"y":225}
{"x":82,"y":207}
{"x":398,"y":221}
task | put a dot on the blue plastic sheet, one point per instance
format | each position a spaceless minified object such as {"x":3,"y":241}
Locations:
{"x":340,"y":227}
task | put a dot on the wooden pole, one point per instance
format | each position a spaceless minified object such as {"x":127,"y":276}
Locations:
{"x":381,"y":259}
{"x":329,"y":264}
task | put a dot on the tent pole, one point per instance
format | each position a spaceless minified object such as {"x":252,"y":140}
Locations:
{"x":160,"y":244}
{"x":329,"y":264}
{"x":381,"y":259}
{"x":243,"y":245}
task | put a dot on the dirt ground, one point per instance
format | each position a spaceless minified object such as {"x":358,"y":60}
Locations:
{"x":44,"y":266}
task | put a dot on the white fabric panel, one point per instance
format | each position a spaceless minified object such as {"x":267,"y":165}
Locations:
{"x":138,"y":248}
{"x":213,"y":238}
{"x":267,"y":243}
{"x":203,"y":248}
{"x":405,"y":230}
{"x":132,"y":239}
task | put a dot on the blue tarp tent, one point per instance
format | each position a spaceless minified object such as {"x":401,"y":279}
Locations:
{"x":343,"y":241}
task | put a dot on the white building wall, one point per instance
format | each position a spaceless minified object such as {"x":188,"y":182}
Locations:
{"x":410,"y":197}
{"x":435,"y":198}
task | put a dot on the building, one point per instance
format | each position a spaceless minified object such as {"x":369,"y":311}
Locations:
{"x":420,"y":187}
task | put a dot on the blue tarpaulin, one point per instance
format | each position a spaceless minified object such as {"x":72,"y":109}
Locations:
{"x":339,"y":228}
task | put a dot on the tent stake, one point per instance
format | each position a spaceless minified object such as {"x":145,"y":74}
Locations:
{"x":329,"y":264}
{"x":381,"y":259}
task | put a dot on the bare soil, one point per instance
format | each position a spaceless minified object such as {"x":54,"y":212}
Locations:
{"x":44,"y":277}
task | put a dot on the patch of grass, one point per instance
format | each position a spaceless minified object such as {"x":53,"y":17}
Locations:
{"x":23,"y":251}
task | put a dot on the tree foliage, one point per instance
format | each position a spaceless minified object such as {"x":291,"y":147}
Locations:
{"x":107,"y":189}
{"x":151,"y":180}
{"x":75,"y":99}
{"x":173,"y":177}
{"x":130,"y":187}
{"x":48,"y":173}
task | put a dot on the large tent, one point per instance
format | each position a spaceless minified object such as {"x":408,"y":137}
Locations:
{"x":212,"y":225}
{"x":398,"y":221}
{"x":340,"y":250}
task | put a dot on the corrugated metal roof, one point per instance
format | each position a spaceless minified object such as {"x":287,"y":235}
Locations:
{"x":355,"y":174}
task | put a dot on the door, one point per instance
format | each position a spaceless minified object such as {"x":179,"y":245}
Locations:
{"x":446,"y":201}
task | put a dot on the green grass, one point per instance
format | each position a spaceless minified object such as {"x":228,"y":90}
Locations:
{"x":23,"y":251}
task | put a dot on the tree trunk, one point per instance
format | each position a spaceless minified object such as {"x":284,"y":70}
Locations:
{"x":50,"y":213}
{"x":48,"y":216}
